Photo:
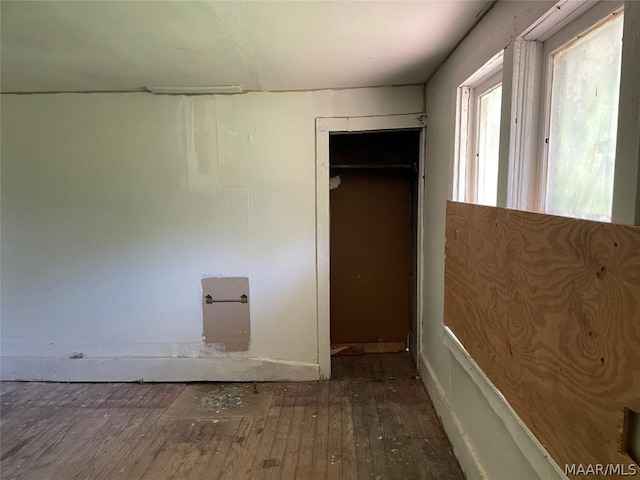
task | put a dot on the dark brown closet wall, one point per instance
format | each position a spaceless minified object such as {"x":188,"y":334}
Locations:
{"x":372,"y":236}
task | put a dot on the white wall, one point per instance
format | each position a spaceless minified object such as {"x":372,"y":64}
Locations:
{"x":115,"y":206}
{"x":488,"y":439}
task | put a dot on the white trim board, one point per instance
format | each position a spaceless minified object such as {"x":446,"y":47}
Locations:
{"x":133,"y":369}
{"x":467,"y":457}
{"x":324,"y":127}
{"x":527,"y":59}
{"x":528,"y":444}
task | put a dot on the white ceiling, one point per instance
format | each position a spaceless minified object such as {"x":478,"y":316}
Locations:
{"x":259,"y":45}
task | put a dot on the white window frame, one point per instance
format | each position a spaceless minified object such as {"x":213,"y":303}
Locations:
{"x":481,"y":90}
{"x":531,"y":97}
{"x":580,"y":27}
{"x":465,"y":175}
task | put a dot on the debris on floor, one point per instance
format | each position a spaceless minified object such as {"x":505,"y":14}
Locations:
{"x":227,"y":398}
{"x":346,"y":350}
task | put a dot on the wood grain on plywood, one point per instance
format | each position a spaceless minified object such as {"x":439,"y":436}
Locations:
{"x":549,"y":309}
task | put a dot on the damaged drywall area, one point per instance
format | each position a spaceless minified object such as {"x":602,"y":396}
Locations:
{"x":225,"y":309}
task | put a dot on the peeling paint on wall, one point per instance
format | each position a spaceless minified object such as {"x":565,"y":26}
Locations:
{"x":198,"y":119}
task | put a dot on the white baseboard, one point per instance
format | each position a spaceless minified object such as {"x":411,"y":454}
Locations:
{"x":114,"y":369}
{"x":467,"y":457}
{"x":526,"y":441}
{"x":534,"y":453}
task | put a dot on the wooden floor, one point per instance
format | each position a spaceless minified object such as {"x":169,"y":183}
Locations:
{"x":372,"y":421}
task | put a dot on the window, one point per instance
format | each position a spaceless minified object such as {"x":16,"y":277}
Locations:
{"x":487,"y":145}
{"x":582,"y":123}
{"x":478,"y":135}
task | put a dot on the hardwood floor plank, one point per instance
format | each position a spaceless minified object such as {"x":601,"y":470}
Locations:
{"x":263,"y":461}
{"x":213,"y":431}
{"x":351,"y":369}
{"x":21,"y":428}
{"x":377,"y":372}
{"x":22,"y":458}
{"x":6,"y":387}
{"x":305,"y":454}
{"x":349,"y":462}
{"x":294,"y":438}
{"x":246,"y":461}
{"x":320,"y":455}
{"x":189,"y":450}
{"x":213,"y":463}
{"x":410,"y":461}
{"x":26,"y":393}
{"x":167,"y":459}
{"x":91,"y":395}
{"x":227,"y":470}
{"x":381,"y":427}
{"x":47,"y":393}
{"x":437,"y":451}
{"x":86,"y":435}
{"x":114,"y":443}
{"x":337,"y":368}
{"x":334,"y":432}
{"x":287,"y":399}
{"x":378,"y":453}
{"x":29,"y":432}
{"x":32,"y":422}
{"x":66,"y":448}
{"x":364,"y":459}
{"x":124,"y":455}
{"x":392,"y":449}
{"x":428,"y":442}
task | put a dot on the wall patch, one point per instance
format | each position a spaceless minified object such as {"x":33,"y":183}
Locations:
{"x":225,"y":309}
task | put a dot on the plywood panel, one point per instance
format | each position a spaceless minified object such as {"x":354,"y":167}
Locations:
{"x":549,"y":308}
